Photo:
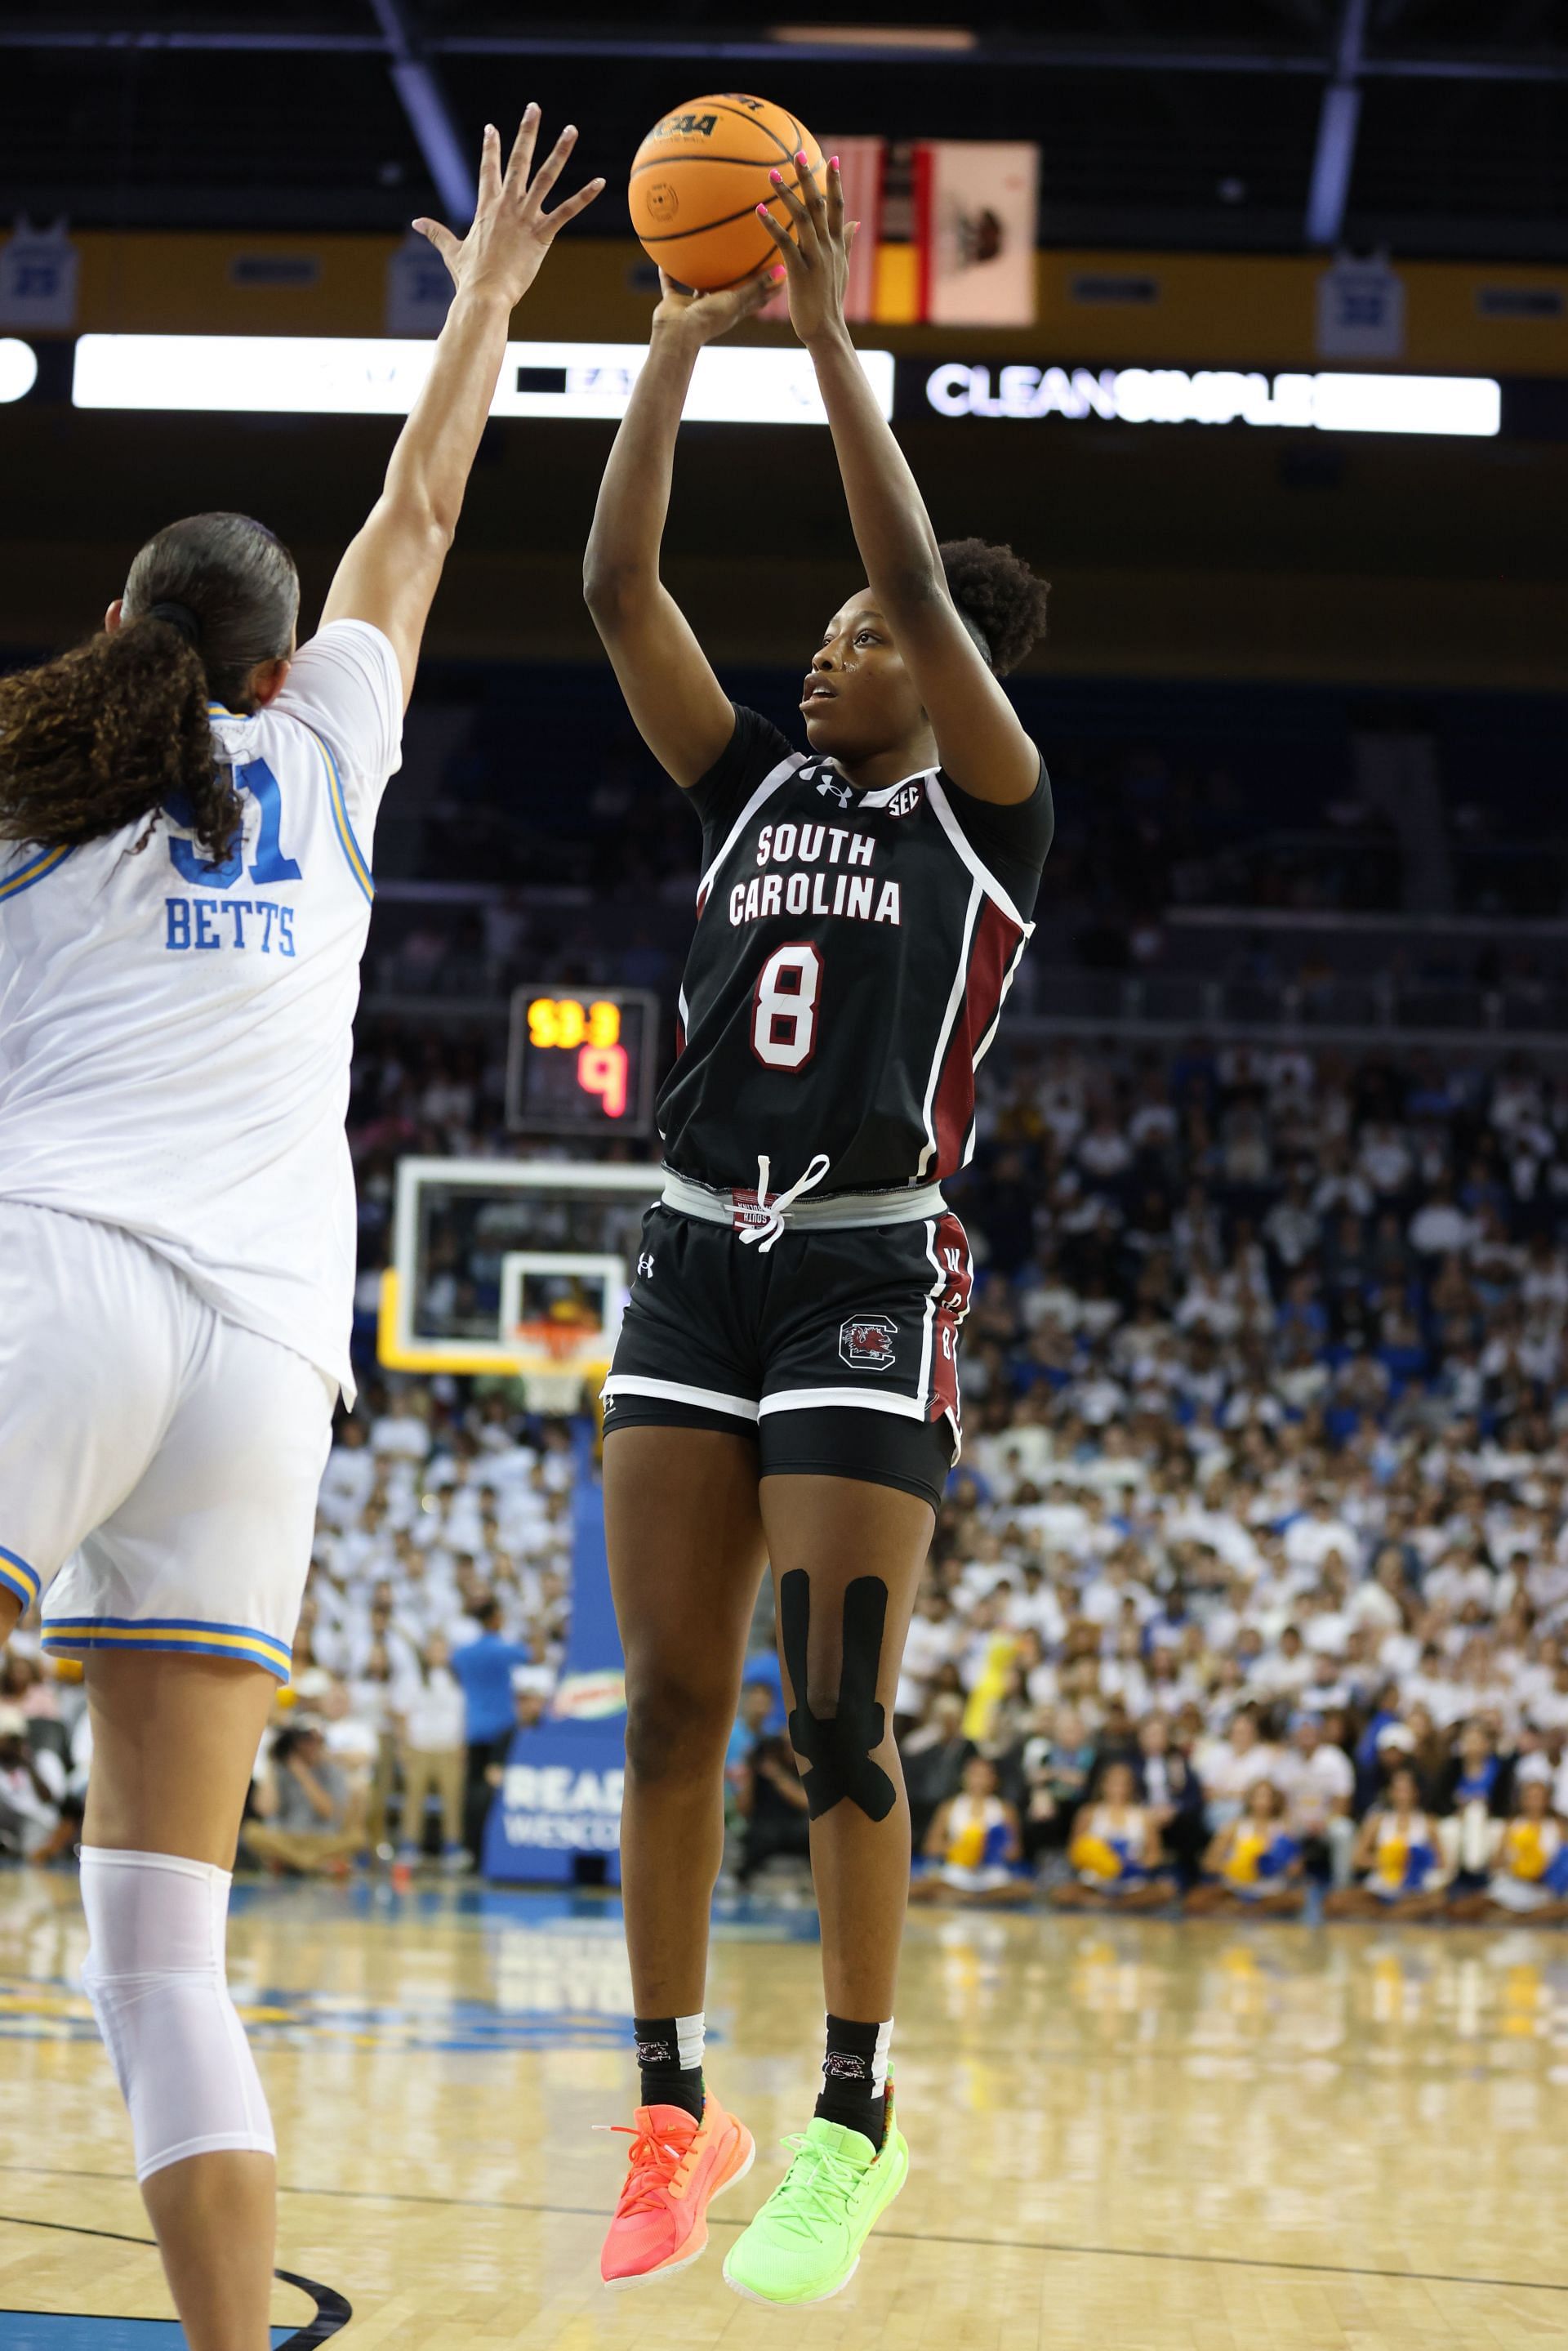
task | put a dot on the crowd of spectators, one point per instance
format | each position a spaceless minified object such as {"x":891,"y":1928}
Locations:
{"x":1253,"y":1582}
{"x":1255,"y":1572}
{"x":434,"y":1620}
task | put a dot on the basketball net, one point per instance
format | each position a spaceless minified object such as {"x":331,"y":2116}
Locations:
{"x":558,"y":1341}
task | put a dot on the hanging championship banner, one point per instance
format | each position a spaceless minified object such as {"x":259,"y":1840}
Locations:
{"x":38,"y":278}
{"x":976,"y":209}
{"x":1361,"y":311}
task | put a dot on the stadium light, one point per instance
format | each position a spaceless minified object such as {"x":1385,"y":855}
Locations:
{"x":1468,"y":405}
{"x":941,"y":38}
{"x":1408,"y":403}
{"x":369,"y":376}
{"x":18,"y":368}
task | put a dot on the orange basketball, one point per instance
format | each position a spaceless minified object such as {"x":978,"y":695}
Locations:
{"x":697,"y":178}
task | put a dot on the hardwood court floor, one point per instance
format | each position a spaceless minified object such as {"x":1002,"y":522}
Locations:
{"x":1128,"y":2135}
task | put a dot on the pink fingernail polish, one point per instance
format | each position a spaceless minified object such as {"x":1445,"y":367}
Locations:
{"x":777,"y":178}
{"x":833,"y":162}
{"x":780,"y":274}
{"x":762,"y":213}
{"x":800,"y":159}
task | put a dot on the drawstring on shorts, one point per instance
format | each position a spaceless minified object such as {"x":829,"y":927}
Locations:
{"x":766,"y":1233}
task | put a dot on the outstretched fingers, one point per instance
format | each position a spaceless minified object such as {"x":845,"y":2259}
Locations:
{"x":804,"y":226}
{"x":445,"y":244}
{"x":490,"y":165}
{"x":793,"y":257}
{"x":571,"y":207}
{"x":550,"y":170}
{"x":522,"y":156}
{"x":834,"y":198}
{"x":814,"y":204}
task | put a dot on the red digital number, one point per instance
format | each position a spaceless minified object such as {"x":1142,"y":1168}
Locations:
{"x":601,"y":1071}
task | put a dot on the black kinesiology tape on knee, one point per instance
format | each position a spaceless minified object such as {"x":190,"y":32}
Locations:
{"x":839,"y":1746}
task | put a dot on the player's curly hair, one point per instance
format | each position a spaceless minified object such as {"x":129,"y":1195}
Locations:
{"x":113,"y":731}
{"x":1001,"y":596}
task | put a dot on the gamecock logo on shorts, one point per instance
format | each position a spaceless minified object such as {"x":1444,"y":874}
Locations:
{"x":866,"y":1344}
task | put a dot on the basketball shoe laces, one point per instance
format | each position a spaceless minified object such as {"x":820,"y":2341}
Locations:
{"x":765,"y":1235}
{"x":654,"y":2168}
{"x":817,"y":2189}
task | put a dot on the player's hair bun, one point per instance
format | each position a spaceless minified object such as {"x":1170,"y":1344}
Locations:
{"x":1002,"y":597}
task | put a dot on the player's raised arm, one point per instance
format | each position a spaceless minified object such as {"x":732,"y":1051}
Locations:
{"x":980,"y":737}
{"x":390,"y":574}
{"x":681,"y":711}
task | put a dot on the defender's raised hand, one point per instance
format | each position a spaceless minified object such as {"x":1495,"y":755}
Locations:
{"x":511,"y":232}
{"x":817,"y":258}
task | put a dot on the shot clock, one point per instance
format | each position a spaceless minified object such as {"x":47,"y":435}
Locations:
{"x":582,"y":1061}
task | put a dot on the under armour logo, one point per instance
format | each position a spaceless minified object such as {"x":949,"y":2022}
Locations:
{"x":839,"y":792}
{"x":645,"y":1265}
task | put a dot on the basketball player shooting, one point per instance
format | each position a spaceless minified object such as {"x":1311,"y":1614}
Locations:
{"x":186,"y":808}
{"x":785,"y":1385}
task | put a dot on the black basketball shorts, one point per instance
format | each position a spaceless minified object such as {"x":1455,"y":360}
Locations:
{"x":837,"y":1349}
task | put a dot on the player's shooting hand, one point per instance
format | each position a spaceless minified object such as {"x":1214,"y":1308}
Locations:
{"x":816,"y":258}
{"x":704,"y":316}
{"x":511,"y":232}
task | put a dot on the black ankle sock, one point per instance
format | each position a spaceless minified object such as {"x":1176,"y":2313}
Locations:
{"x":665,"y":2081}
{"x":849,"y":2074}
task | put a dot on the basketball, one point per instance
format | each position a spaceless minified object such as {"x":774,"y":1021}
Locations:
{"x":697,"y":178}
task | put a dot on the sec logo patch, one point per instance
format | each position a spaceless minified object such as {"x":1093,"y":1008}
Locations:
{"x":866,"y":1342}
{"x":906,"y":799}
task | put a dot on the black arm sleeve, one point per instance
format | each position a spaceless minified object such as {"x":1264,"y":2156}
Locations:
{"x":752,"y":751}
{"x":1013,"y":839}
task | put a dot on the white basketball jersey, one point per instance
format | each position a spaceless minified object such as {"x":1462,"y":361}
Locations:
{"x":175,"y":1035}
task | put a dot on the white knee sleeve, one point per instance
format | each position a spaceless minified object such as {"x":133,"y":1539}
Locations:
{"x":155,"y":1976}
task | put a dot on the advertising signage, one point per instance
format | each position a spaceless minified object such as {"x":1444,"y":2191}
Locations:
{"x":1022,"y":392}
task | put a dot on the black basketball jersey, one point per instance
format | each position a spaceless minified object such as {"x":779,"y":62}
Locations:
{"x":851,"y":956}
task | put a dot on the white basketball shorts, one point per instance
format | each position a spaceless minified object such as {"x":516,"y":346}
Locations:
{"x":158,"y":1464}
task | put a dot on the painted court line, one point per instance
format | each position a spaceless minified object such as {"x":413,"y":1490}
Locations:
{"x":889,"y":2236}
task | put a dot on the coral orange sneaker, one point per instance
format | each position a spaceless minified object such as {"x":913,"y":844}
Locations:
{"x":677,"y":2166}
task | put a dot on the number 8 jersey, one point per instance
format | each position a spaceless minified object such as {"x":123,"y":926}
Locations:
{"x":852,"y":954}
{"x":175,"y":1034}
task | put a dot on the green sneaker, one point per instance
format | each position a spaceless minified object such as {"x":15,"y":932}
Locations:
{"x":805,"y":2244}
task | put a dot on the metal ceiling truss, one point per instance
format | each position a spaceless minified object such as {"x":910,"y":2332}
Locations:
{"x":1339,"y":119}
{"x":430,"y":117}
{"x":1131,"y":55}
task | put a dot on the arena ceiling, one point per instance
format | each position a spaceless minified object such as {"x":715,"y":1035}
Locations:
{"x":1427,"y":127}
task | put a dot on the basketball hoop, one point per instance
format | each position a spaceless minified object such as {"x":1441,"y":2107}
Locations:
{"x":559,"y":1341}
{"x":564,"y":1234}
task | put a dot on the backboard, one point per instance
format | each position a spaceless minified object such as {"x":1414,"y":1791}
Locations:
{"x":516,"y":1267}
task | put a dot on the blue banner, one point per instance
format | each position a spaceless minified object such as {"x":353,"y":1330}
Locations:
{"x":561,"y":1788}
{"x":559,"y":1796}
